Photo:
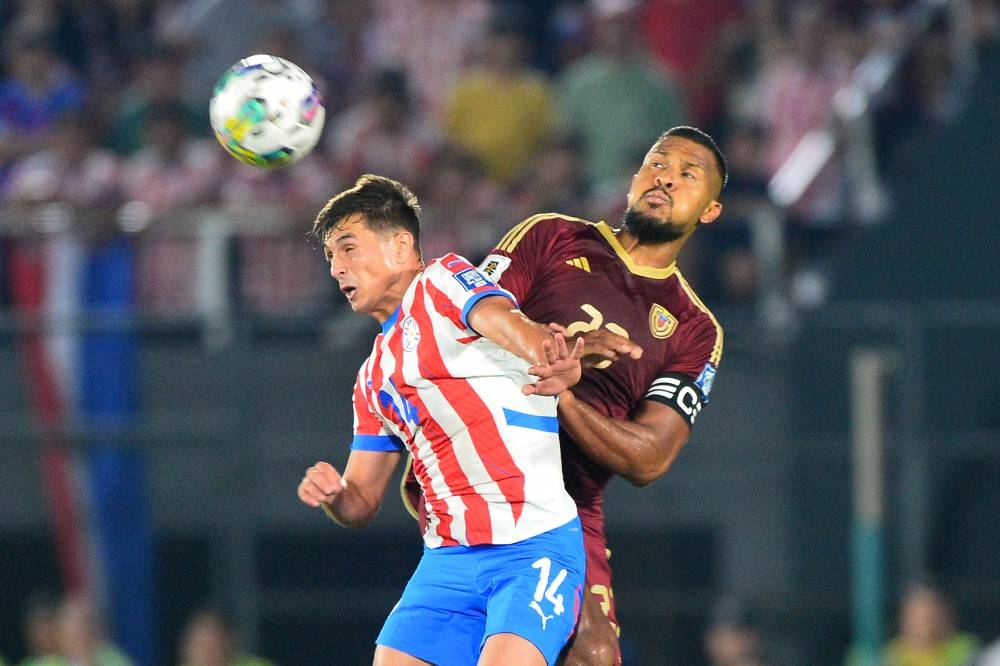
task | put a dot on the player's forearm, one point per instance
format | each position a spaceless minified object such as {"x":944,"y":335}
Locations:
{"x":351,"y":508}
{"x":513,"y":331}
{"x":634,"y":451}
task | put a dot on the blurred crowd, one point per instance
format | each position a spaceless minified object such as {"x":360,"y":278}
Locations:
{"x":69,"y":631}
{"x":491,"y":111}
{"x":926,"y":631}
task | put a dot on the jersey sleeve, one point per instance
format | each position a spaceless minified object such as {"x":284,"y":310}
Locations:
{"x":457,"y":285}
{"x":685,"y":381}
{"x":515,"y":262}
{"x":370,"y":433}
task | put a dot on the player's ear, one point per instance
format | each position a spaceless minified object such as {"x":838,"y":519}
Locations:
{"x":711,"y":212}
{"x":403,"y":246}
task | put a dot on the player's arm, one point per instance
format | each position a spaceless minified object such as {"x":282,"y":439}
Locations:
{"x":353,"y":498}
{"x":556,"y":366}
{"x":640,"y":449}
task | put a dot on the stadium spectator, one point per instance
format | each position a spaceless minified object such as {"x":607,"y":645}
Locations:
{"x":156,"y":77}
{"x":170,"y":173}
{"x":277,"y":272}
{"x":615,"y":97}
{"x":173,"y":167}
{"x":383,"y":133}
{"x":734,"y":636}
{"x":462,"y":207}
{"x":555,"y":180}
{"x":209,"y":639}
{"x":216,"y":35}
{"x":41,"y":630}
{"x":72,"y":168}
{"x":927,"y":631}
{"x":81,"y":635}
{"x":37,"y":88}
{"x":432,"y":41}
{"x":796,"y":92}
{"x":684,"y":35}
{"x":501,"y":110}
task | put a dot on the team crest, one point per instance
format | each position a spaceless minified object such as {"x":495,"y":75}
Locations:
{"x":411,"y":334}
{"x":662,"y":324}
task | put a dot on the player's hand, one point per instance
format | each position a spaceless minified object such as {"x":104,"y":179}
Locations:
{"x":601,"y":346}
{"x":561,"y":370}
{"x":322,"y":483}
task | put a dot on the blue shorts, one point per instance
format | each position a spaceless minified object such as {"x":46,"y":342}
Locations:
{"x":461,"y":595}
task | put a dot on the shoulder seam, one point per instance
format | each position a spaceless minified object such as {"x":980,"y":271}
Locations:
{"x":518,"y":232}
{"x":717,"y":348}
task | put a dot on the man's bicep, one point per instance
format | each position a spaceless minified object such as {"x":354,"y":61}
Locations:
{"x":678,"y":392}
{"x":371,"y":471}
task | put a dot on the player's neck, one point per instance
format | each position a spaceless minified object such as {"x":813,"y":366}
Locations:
{"x":393,"y":296}
{"x":658,"y":255}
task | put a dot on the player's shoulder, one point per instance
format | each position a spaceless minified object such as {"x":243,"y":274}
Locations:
{"x":544,"y":225}
{"x":697,"y":316}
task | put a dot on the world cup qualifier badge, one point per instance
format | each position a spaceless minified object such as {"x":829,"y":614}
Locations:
{"x":705,"y":379}
{"x":472,"y":279}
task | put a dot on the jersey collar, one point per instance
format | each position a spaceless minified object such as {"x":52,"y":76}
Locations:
{"x":392,"y":319}
{"x":644,"y":271}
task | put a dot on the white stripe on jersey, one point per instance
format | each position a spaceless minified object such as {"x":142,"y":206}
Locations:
{"x":460,"y":399}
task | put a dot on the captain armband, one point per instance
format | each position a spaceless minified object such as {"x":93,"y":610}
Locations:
{"x":679,"y":392}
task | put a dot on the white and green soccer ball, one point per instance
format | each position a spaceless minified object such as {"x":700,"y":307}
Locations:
{"x":267,"y":112}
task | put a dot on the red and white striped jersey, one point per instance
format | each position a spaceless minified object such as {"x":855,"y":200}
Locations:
{"x":486,"y":455}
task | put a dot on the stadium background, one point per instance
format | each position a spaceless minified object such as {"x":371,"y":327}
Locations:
{"x":216,"y":364}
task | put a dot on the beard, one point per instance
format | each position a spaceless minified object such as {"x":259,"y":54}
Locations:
{"x":648,"y":230}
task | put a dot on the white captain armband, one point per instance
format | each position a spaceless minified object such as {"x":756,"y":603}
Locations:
{"x":680,"y":393}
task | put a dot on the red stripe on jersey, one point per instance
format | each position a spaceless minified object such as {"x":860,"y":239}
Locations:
{"x":477,"y":417}
{"x":452,"y":473}
{"x":368,"y":424}
{"x":478,"y":526}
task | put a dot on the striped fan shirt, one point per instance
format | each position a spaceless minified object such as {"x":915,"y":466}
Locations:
{"x":486,"y":456}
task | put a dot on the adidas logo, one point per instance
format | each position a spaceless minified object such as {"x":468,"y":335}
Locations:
{"x":579,"y":262}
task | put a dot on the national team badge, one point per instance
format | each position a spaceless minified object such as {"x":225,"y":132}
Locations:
{"x":662,"y":324}
{"x":411,"y":334}
{"x":494,"y":265}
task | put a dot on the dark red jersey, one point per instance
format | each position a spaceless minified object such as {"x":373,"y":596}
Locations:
{"x":576,"y":273}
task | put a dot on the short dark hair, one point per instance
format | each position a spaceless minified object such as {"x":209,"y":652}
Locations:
{"x":386,"y":205}
{"x":702,"y":139}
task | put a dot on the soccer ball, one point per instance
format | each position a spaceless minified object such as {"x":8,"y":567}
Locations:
{"x":267,"y":112}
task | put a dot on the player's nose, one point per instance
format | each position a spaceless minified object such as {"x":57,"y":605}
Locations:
{"x":664,"y":180}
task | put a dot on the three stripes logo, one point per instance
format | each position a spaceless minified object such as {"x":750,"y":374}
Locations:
{"x":579,"y":262}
